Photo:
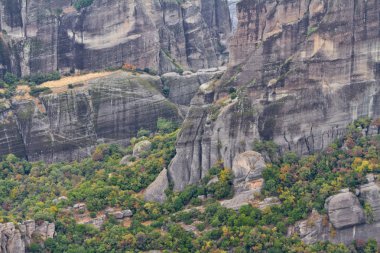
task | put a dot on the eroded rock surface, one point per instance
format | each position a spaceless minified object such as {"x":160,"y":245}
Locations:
{"x":43,"y":36}
{"x":344,"y":210}
{"x":66,"y":126}
{"x":15,"y":239}
{"x":301,"y":72}
{"x":345,"y":221}
{"x":156,"y":190}
{"x":141,"y":147}
{"x":370,"y":193}
{"x":247,"y":168}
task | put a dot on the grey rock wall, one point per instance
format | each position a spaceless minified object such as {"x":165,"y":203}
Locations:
{"x":67,"y":125}
{"x":44,"y":36}
{"x":302,"y":71}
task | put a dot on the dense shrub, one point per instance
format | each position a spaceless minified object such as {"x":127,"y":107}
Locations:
{"x":80,"y":4}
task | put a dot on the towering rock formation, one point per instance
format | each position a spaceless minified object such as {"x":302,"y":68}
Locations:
{"x":301,"y":70}
{"x":68,"y":123}
{"x":44,"y":36}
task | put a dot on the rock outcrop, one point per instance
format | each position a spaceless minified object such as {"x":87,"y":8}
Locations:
{"x":15,"y":239}
{"x":156,"y":190}
{"x":65,"y":126}
{"x":370,"y":193}
{"x":141,"y":147}
{"x":345,"y":221}
{"x":44,"y":36}
{"x":247,"y":168}
{"x":299,"y":72}
{"x":344,"y":210}
{"x":68,"y":123}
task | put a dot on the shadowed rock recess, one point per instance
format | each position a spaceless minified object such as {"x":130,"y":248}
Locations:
{"x":43,"y":36}
{"x":302,"y":71}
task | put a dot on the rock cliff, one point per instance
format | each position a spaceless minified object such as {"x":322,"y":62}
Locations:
{"x":68,"y":123}
{"x":15,"y":239}
{"x":300,"y":71}
{"x":44,"y":36}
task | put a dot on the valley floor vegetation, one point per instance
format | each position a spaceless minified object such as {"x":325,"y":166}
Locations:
{"x":192,"y":220}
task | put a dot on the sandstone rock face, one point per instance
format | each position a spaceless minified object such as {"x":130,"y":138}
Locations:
{"x":156,"y":190}
{"x":67,"y":125}
{"x":15,"y":239}
{"x":44,"y":36}
{"x":344,"y":210}
{"x":142,"y":146}
{"x":302,"y":71}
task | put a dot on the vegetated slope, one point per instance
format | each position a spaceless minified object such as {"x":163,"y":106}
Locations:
{"x":190,"y":221}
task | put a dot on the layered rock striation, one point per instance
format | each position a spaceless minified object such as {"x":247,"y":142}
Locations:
{"x":44,"y":36}
{"x":68,"y":123}
{"x":300,"y":71}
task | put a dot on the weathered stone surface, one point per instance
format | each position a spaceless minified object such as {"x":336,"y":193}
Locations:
{"x":161,"y":35}
{"x":370,"y":193}
{"x":140,"y":147}
{"x":15,"y":239}
{"x":317,"y":228}
{"x":127,"y":213}
{"x":344,"y":210}
{"x":267,"y":202}
{"x":309,"y":230}
{"x":182,"y":88}
{"x":213,"y":180}
{"x":239,"y":200}
{"x":233,"y":13}
{"x":303,"y":70}
{"x":117,"y":215}
{"x":66,"y":126}
{"x":156,"y":190}
{"x":247,"y":167}
{"x":80,"y":207}
{"x":204,"y":141}
{"x":96,"y":222}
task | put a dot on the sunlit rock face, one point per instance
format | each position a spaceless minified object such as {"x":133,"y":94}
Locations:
{"x":299,"y":72}
{"x":43,"y":36}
